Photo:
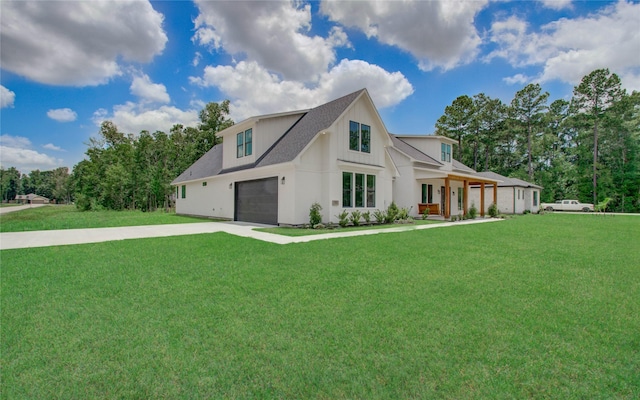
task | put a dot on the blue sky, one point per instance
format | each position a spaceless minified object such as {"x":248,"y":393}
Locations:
{"x":68,"y":66}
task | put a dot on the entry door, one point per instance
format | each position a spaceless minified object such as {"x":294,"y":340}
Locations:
{"x":443,"y":199}
{"x":257,"y":201}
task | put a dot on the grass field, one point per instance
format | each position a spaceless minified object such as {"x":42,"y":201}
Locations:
{"x":533,"y":307}
{"x":68,"y":217}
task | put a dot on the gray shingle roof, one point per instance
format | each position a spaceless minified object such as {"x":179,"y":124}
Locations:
{"x":412,"y":151}
{"x":209,"y":164}
{"x":285,"y":149}
{"x":300,"y":135}
{"x":457,"y":165}
{"x":507,"y":182}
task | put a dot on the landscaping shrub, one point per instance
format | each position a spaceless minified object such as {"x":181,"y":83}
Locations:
{"x":473,"y":211}
{"x":366,"y":216}
{"x":493,"y":210}
{"x":355,"y":217}
{"x":380,"y":216}
{"x":392,"y":213}
{"x":343,"y":218}
{"x":314,"y":214}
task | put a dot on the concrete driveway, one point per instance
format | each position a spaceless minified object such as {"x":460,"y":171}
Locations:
{"x":10,"y":209}
{"x":19,"y":240}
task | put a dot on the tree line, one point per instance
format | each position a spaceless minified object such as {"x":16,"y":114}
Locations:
{"x":586,"y":148}
{"x":124,"y":171}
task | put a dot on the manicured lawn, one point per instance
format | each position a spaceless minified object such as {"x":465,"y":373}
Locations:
{"x":68,"y":217}
{"x":532,"y":307}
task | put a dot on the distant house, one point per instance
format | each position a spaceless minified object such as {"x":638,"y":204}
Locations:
{"x":31,"y":199}
{"x":515,"y":196}
{"x":271,"y":168}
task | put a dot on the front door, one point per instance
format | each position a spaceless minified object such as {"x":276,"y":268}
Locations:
{"x":443,"y":199}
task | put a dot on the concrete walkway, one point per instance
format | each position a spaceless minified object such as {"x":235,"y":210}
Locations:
{"x":10,"y":209}
{"x":20,"y":240}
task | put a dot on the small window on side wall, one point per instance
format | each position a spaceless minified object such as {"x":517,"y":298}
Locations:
{"x":240,"y":144}
{"x":184,"y":191}
{"x":248,"y":142}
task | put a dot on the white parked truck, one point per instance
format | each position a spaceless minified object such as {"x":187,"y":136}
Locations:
{"x":567,"y":205}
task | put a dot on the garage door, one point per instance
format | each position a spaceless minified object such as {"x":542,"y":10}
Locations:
{"x":257,"y":201}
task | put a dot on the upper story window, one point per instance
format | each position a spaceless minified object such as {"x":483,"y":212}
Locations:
{"x":446,"y":152}
{"x":359,"y":137}
{"x":244,"y":143}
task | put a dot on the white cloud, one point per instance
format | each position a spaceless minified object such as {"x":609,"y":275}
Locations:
{"x":516,"y":79}
{"x":569,"y":49}
{"x":7,"y":97}
{"x":273,"y":33}
{"x":440,"y":34}
{"x":51,"y":146}
{"x":78,"y":42}
{"x":62,"y":115}
{"x":135,"y":117}
{"x":256,"y":91}
{"x":142,"y":87}
{"x":557,"y":4}
{"x":196,"y":59}
{"x":15,"y":151}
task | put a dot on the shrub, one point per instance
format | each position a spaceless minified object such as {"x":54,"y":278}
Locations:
{"x":355,"y":217}
{"x":403,"y":213}
{"x":473,"y":211}
{"x":392,"y":213}
{"x":493,"y":210}
{"x":314,"y":214}
{"x":343,"y":218}
{"x":380,"y":216}
{"x":366,"y":216}
{"x":425,"y":213}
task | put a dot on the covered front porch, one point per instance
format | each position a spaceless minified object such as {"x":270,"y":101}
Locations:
{"x":449,"y":194}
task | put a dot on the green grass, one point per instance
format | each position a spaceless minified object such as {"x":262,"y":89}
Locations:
{"x":68,"y":217}
{"x":532,"y":307}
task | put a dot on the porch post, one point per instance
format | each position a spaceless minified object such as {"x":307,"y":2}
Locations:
{"x":465,"y":194}
{"x":447,"y":200}
{"x":482,"y":199}
{"x":495,"y":193}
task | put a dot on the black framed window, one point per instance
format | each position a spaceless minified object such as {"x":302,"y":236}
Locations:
{"x":359,"y":190}
{"x":248,"y":142}
{"x":371,"y":190}
{"x":240,"y":144}
{"x":359,"y":137}
{"x":354,"y":136}
{"x":347,"y":189}
{"x":184,"y":191}
{"x":365,"y":144}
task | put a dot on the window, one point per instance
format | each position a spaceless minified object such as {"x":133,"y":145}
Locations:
{"x":248,"y":140}
{"x":184,"y":191}
{"x":358,"y":190}
{"x":445,"y":152}
{"x":347,"y":187}
{"x":204,"y":183}
{"x":371,"y":190}
{"x":359,"y":137}
{"x":244,"y":143}
{"x":460,"y":198}
{"x":365,"y":131}
{"x":427,"y":193}
{"x":535,"y":198}
{"x":240,"y":144}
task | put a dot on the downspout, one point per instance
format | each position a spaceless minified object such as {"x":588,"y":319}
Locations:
{"x":514,"y":199}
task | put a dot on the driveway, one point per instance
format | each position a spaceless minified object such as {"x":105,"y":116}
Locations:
{"x":10,"y":209}
{"x":20,"y":240}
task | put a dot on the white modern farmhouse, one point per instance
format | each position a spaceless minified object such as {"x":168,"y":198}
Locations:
{"x":270,"y":169}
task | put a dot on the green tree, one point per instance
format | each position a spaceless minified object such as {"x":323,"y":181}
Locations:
{"x":528,"y":108}
{"x":592,"y":98}
{"x":9,"y":183}
{"x":456,"y":123}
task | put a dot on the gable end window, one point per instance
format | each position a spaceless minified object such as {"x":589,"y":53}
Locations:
{"x":359,"y":137}
{"x":244,"y":143}
{"x":445,"y":152}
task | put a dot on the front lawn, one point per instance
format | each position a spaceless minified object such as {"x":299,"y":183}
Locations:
{"x":68,"y":217}
{"x":533,"y":307}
